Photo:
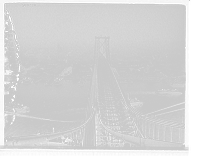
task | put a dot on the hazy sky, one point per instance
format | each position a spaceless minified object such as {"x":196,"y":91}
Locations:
{"x":133,"y":29}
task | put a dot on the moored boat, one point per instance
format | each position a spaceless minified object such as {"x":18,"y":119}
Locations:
{"x":135,"y":102}
{"x":22,"y":109}
{"x":19,"y":107}
{"x":169,"y":91}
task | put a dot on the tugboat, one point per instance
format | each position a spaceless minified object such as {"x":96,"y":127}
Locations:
{"x":58,"y":80}
{"x":169,"y":91}
{"x":22,"y":110}
{"x":82,"y":81}
{"x":135,"y":102}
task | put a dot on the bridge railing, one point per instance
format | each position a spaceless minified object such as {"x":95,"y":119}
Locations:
{"x":139,"y":141}
{"x":152,"y":127}
{"x":75,"y":136}
{"x":156,"y":128}
{"x":127,"y":138}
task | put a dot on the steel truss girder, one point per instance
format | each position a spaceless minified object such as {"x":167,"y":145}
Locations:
{"x":104,"y":138}
{"x":112,"y":111}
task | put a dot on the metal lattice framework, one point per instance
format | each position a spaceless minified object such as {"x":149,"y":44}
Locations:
{"x":113,"y":113}
{"x":116,"y":123}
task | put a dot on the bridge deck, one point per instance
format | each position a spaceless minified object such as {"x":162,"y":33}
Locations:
{"x":113,"y":119}
{"x":112,"y":110}
{"x":90,"y":129}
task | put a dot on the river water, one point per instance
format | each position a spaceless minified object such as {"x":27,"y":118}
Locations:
{"x":153,"y":100}
{"x":53,"y":108}
{"x":69,"y":101}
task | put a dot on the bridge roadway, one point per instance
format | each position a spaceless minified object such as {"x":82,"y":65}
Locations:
{"x":113,"y":112}
{"x":90,"y":127}
{"x":108,"y":96}
{"x":122,"y":121}
{"x":112,"y":121}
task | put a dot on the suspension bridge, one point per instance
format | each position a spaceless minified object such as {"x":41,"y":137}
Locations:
{"x":111,"y":121}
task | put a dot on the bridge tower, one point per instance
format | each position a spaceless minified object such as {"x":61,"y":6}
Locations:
{"x":111,"y":123}
{"x":102,"y":47}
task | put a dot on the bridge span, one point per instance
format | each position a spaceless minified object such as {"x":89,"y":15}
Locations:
{"x":112,"y":122}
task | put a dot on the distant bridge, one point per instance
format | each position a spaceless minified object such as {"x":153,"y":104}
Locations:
{"x":112,"y":122}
